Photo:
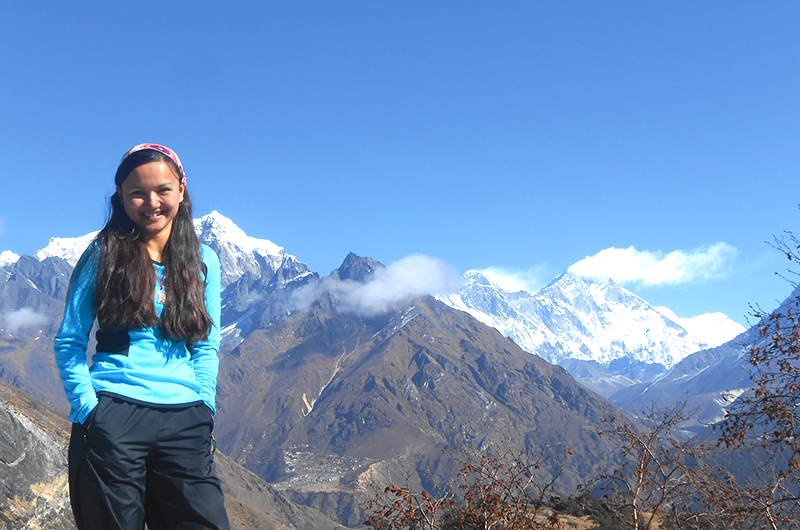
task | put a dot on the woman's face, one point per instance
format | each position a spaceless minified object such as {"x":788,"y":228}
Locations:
{"x":150,"y":195}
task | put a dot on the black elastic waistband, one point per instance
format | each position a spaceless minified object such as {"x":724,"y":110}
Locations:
{"x":156,"y":406}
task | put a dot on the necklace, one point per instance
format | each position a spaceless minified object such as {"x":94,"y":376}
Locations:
{"x":161,"y":294}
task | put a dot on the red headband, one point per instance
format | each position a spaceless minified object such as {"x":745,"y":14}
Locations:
{"x":161,"y":149}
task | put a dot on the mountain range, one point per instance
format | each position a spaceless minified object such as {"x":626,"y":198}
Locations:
{"x":573,"y":317}
{"x":319,"y":397}
{"x":606,"y":336}
{"x":588,"y":319}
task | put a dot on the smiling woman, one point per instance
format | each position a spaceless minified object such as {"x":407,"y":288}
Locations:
{"x":141,"y":444}
{"x":150,"y":196}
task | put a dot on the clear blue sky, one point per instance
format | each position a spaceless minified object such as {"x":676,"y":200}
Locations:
{"x":523,"y":136}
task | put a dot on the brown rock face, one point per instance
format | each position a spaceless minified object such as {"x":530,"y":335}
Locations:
{"x":312,"y":402}
{"x":33,"y":464}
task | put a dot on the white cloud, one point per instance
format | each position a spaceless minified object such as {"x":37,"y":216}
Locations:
{"x":628,"y":265}
{"x":387,"y":289}
{"x":7,"y":257}
{"x":516,"y":279}
{"x":303,"y":297}
{"x":255,"y":296}
{"x":13,"y":321}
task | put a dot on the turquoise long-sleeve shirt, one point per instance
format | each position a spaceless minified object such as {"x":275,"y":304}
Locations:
{"x":140,"y":364}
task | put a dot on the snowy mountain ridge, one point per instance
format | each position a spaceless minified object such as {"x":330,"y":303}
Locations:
{"x":216,"y":226}
{"x":572,"y":318}
{"x":68,"y":248}
{"x":714,"y":329}
{"x":589,"y":319}
{"x":238,"y":252}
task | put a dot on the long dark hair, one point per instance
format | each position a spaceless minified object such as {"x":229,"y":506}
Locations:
{"x":126,"y":276}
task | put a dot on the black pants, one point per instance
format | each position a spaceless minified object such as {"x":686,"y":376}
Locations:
{"x":135,"y":463}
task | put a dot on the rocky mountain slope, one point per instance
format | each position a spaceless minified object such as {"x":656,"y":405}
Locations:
{"x":33,"y":476}
{"x":387,"y":392}
{"x":33,"y":460}
{"x":31,"y":305}
{"x":709,"y":380}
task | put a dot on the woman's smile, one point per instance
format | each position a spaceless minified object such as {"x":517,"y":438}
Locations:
{"x":151,"y":195}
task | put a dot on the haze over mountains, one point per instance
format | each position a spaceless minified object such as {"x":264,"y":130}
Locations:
{"x":329,"y":382}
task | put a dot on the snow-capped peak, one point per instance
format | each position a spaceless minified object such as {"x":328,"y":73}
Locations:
{"x":478,"y":277}
{"x":714,"y":329}
{"x":7,"y":257}
{"x":577,"y":317}
{"x":217,"y":227}
{"x":68,"y":248}
{"x":239,"y":253}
